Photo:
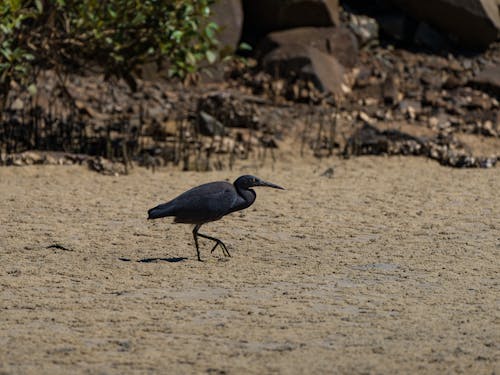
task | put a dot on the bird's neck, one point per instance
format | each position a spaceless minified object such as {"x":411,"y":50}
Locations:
{"x":248,"y":196}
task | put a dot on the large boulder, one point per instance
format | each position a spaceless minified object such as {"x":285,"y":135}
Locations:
{"x":297,"y":60}
{"x":473,"y":23}
{"x":228,"y":14}
{"x":264,"y":16}
{"x":336,"y":41}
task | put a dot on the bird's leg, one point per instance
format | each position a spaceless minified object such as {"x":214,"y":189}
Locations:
{"x":195,"y":236}
{"x":218,"y":243}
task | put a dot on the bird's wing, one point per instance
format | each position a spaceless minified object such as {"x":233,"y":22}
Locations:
{"x":204,"y":203}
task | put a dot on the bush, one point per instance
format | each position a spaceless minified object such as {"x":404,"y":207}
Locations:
{"x":117,"y":35}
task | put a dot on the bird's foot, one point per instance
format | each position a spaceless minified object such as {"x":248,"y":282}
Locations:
{"x":222,"y":246}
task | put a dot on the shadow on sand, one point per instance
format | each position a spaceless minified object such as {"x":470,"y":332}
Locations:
{"x":153,"y":260}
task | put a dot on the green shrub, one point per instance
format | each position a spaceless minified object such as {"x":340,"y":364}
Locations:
{"x":117,"y":35}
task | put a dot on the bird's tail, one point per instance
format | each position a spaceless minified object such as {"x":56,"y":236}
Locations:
{"x":160,"y":211}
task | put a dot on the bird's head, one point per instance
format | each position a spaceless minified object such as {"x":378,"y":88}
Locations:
{"x":248,"y":181}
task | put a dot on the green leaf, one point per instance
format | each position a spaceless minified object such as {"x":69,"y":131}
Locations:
{"x":211,"y":56}
{"x":177,"y":35}
{"x":39,"y":6}
{"x":245,"y":47}
{"x":190,"y":58}
{"x":32,"y":89}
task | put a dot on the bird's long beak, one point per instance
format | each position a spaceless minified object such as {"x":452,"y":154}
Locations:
{"x":269,"y":184}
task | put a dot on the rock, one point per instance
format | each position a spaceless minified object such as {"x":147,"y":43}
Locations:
{"x":488,"y":79}
{"x":231,"y":108}
{"x":390,"y":90}
{"x":365,"y":28}
{"x":336,"y":41}
{"x":410,"y":108}
{"x":397,"y":25}
{"x":17,"y":105}
{"x":50,"y":160}
{"x":210,"y":126}
{"x":431,"y":78}
{"x":33,"y":157}
{"x":433,"y":122}
{"x":228,"y":14}
{"x":106,"y":166}
{"x":18,"y":162}
{"x":368,"y":140}
{"x":447,"y":150}
{"x":366,"y":118}
{"x":478,"y":102}
{"x":169,"y":127}
{"x":427,"y":36}
{"x":294,"y":60}
{"x":474,"y":23}
{"x":453,"y":82}
{"x":264,"y":16}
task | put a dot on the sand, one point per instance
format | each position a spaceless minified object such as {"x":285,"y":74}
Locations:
{"x":389,"y":267}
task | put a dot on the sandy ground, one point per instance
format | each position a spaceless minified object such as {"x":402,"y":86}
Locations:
{"x":389,"y":267}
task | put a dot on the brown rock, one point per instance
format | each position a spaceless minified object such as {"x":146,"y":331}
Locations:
{"x":489,"y":78}
{"x":309,"y":63}
{"x":365,"y":28}
{"x":228,"y":14}
{"x":390,"y":89}
{"x":336,"y":41}
{"x":475,"y":23}
{"x":453,"y":82}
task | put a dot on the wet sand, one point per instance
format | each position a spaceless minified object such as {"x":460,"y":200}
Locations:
{"x":389,"y":267}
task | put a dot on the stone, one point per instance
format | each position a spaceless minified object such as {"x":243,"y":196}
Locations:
{"x":33,"y":157}
{"x":308,"y":63}
{"x":411,"y":108}
{"x":336,"y":41}
{"x":390,"y":90}
{"x":453,"y":82}
{"x":228,"y":14}
{"x":474,"y":23}
{"x":397,"y":25}
{"x":365,"y":28}
{"x":488,"y":79}
{"x":264,"y":16}
{"x":429,"y":37}
{"x":366,"y":118}
{"x":210,"y":126}
{"x":369,"y":140}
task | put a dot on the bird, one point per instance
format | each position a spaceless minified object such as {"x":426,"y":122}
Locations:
{"x":210,"y":202}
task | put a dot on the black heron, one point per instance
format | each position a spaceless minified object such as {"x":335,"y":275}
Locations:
{"x":210,"y":202}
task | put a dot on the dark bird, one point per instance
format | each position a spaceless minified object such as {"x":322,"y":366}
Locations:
{"x":210,"y":202}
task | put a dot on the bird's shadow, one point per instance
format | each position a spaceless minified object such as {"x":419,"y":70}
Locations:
{"x":153,"y":260}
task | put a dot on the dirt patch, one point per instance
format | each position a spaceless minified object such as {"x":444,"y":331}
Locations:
{"x":390,"y":266}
